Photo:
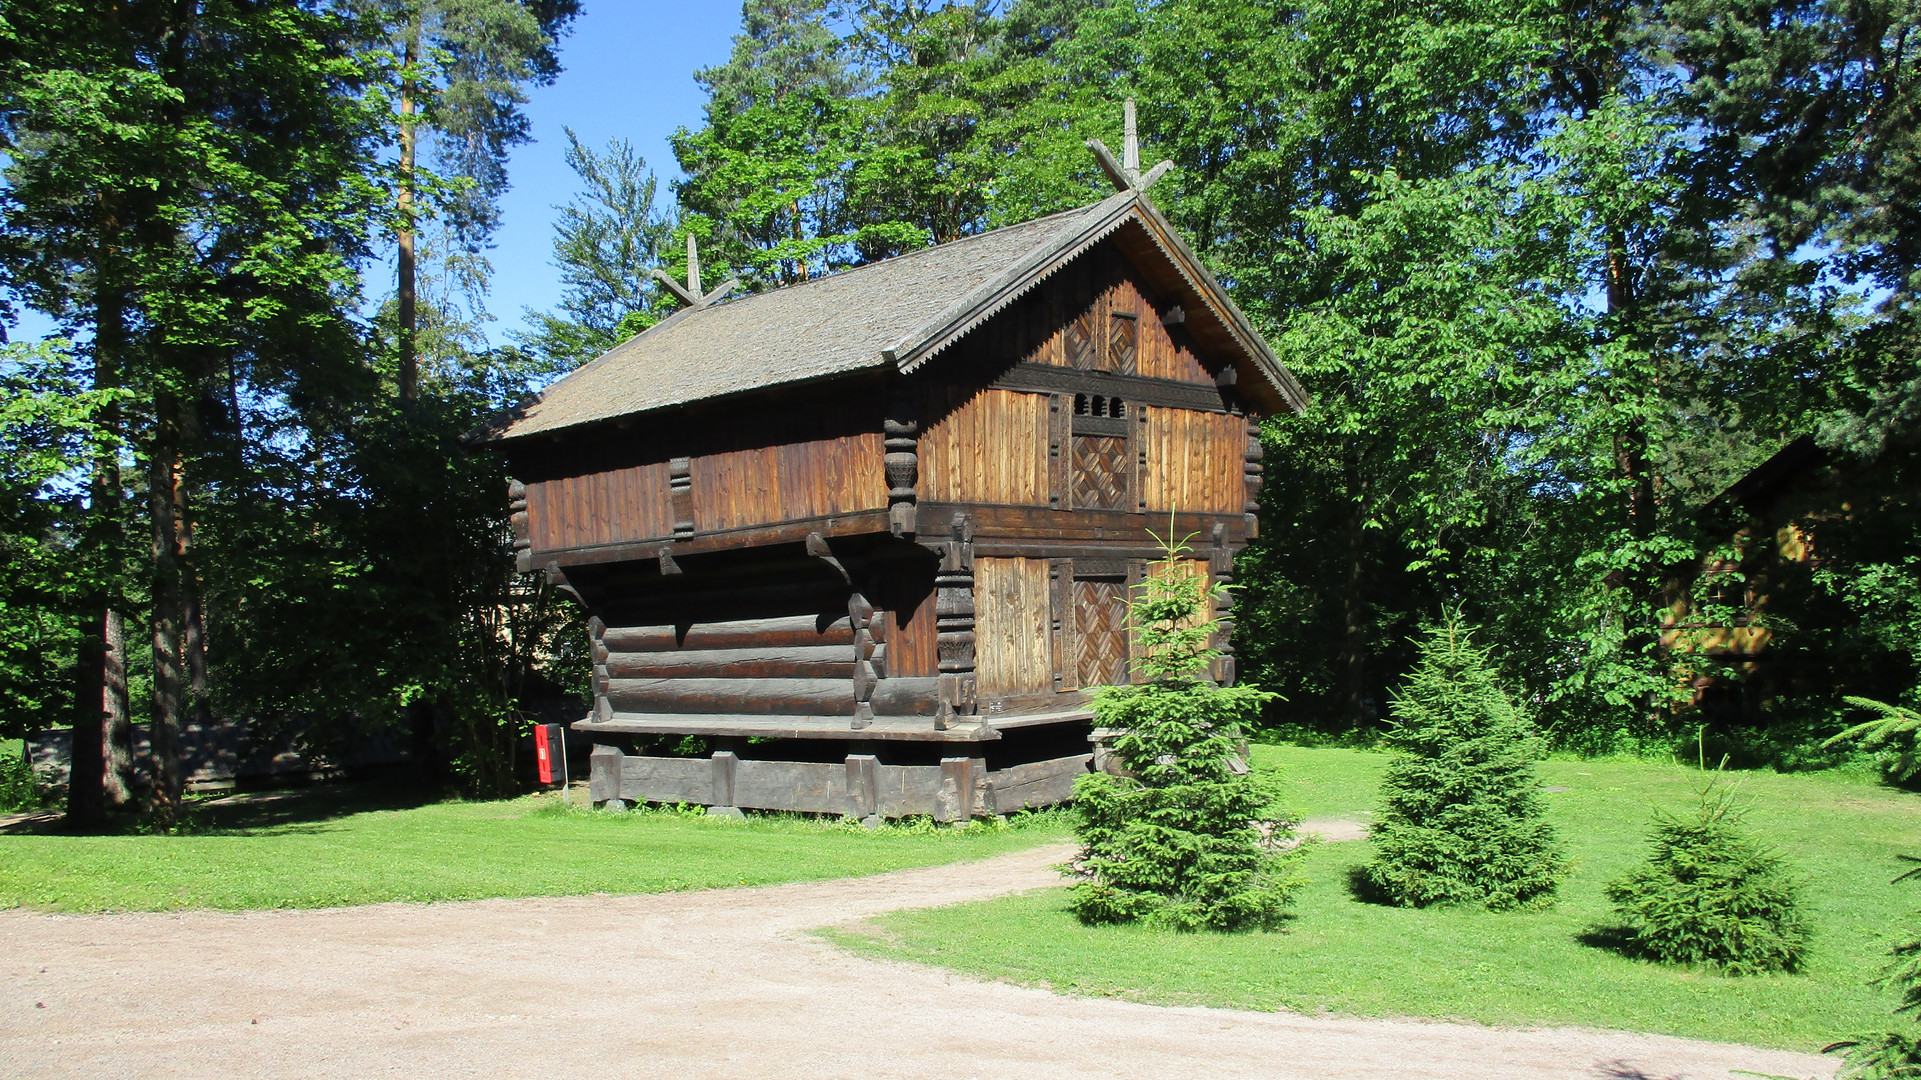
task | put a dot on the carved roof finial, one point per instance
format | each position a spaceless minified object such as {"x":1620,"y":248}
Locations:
{"x":1126,"y":173}
{"x":690,"y":293}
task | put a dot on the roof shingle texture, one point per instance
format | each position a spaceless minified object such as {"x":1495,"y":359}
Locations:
{"x":831,"y":325}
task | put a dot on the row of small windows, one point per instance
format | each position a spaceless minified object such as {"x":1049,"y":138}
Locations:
{"x":1098,"y":405}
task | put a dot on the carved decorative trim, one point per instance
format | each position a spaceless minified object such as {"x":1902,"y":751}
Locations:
{"x":1251,"y":512}
{"x":954,"y":624}
{"x":680,"y":483}
{"x":522,"y":527}
{"x":1031,"y":378}
{"x":900,"y":433}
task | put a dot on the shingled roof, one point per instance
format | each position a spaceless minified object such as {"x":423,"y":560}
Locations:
{"x":898,"y":312}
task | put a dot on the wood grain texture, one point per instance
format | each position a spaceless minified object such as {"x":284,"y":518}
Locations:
{"x":599,"y":508}
{"x":912,"y":642}
{"x":1012,"y":650}
{"x":992,"y":449}
{"x":795,"y":480}
{"x":1196,"y":462}
{"x":1108,"y":319}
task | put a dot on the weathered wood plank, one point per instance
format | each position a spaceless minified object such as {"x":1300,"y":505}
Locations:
{"x":765,"y":662}
{"x":796,"y":697}
{"x":1012,"y":650}
{"x":907,"y":696}
{"x":655,"y":779}
{"x":1040,"y":783}
{"x":781,"y":633}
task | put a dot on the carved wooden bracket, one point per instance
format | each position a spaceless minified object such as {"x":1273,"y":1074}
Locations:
{"x":680,"y":486}
{"x":900,"y":432}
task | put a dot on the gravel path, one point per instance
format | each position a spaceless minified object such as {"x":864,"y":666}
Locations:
{"x":683,"y":985}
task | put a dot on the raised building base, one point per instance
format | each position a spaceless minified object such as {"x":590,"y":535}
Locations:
{"x":957,"y":789}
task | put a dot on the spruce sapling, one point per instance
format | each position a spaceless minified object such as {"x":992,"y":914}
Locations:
{"x":1891,"y":1054}
{"x":1461,"y":818}
{"x":1188,"y":838}
{"x":1709,"y":895}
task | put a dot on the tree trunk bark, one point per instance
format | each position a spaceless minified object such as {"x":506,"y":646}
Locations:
{"x":1354,"y":602}
{"x":117,"y":748}
{"x":163,"y":476}
{"x":193,"y":618}
{"x":405,"y":335}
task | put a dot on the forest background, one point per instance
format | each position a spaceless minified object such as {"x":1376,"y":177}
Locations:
{"x":1556,"y":273}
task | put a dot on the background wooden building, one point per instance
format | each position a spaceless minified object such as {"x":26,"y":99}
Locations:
{"x":872,"y":534}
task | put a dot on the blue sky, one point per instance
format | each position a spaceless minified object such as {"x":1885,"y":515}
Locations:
{"x":630,"y":74}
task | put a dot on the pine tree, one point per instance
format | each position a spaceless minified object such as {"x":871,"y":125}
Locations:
{"x":1461,"y":818}
{"x":1189,"y":837}
{"x":1890,"y":1054}
{"x":1709,"y":895}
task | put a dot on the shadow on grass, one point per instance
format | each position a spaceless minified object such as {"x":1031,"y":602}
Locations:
{"x":1363,"y":888}
{"x":309,"y":808}
{"x":1618,"y":940}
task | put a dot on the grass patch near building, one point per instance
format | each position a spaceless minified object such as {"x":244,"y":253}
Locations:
{"x":1343,"y":956}
{"x":326,"y":847}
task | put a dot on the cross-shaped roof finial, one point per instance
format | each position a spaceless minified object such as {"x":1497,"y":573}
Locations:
{"x":691,"y":294}
{"x":1126,"y":173}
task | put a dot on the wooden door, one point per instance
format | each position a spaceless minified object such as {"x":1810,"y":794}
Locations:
{"x":1100,"y":630}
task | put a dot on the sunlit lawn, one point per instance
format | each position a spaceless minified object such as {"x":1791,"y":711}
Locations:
{"x":1345,"y":956}
{"x":328,"y":847}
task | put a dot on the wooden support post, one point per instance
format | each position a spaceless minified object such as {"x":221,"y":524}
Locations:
{"x":900,"y":433}
{"x":863,"y":786}
{"x":954,"y":624}
{"x":1252,"y":511}
{"x":603,"y":775}
{"x":680,"y":485}
{"x":861,"y":613}
{"x":726,"y":764}
{"x":1060,"y":421}
{"x":522,"y":531}
{"x":964,"y":790}
{"x":1220,"y":567}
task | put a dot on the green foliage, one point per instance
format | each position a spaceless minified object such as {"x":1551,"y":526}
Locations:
{"x":1461,"y":818}
{"x":1188,"y":838}
{"x":1709,"y":895}
{"x":1892,"y":736}
{"x":20,"y":787}
{"x":1888,"y":1055}
{"x":605,"y":241}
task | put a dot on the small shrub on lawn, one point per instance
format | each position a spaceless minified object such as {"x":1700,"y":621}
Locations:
{"x":1710,"y":896}
{"x":1892,"y":1053}
{"x":1461,"y":819}
{"x":20,"y":788}
{"x":1189,"y":838}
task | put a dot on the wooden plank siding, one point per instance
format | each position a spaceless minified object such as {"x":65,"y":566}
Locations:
{"x":1196,"y":462}
{"x":600,"y":508}
{"x":795,"y":480}
{"x":1013,"y":653}
{"x":992,"y":449}
{"x":912,"y":641}
{"x":1090,"y":337}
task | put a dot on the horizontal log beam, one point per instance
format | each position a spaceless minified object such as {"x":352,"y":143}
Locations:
{"x":723,"y":725}
{"x":906,"y":697}
{"x":781,"y":633}
{"x":792,"y":697}
{"x":764,"y":662}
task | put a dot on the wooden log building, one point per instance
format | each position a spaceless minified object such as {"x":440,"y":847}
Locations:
{"x":872,"y":535}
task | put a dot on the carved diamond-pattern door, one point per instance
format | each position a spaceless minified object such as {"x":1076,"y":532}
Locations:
{"x":1122,"y":349}
{"x":1100,"y":472}
{"x":1100,"y":624}
{"x":1082,"y":347}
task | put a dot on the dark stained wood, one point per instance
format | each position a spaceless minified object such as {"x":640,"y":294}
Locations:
{"x":1064,"y":647}
{"x":798,"y":697}
{"x":913,"y":642}
{"x":787,"y":726}
{"x":954,"y":623}
{"x":907,"y":697}
{"x":779,"y":662}
{"x":794,"y":630}
{"x":1038,"y":783}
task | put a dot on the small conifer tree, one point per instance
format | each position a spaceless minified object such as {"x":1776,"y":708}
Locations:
{"x":1189,"y":837}
{"x":1461,"y":818}
{"x":1890,"y":1054}
{"x":1709,"y":895}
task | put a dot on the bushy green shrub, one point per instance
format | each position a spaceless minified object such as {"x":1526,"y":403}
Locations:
{"x":1189,"y":837}
{"x":1461,"y":818}
{"x":1709,"y":895}
{"x":1890,"y":1054}
{"x":20,"y":789}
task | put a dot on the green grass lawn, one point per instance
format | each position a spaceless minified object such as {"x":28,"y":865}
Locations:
{"x":1344,"y":956}
{"x":330,"y":847}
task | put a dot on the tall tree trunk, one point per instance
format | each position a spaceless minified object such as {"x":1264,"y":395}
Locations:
{"x":193,"y":616}
{"x":117,"y":748}
{"x":405,"y":336}
{"x":1354,"y":601}
{"x":163,"y":476}
{"x":97,"y":705}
